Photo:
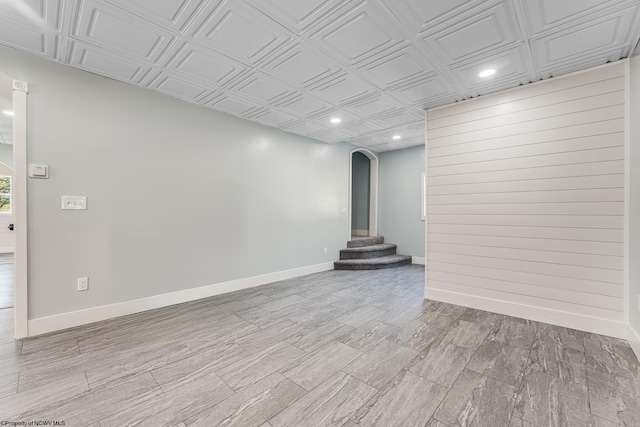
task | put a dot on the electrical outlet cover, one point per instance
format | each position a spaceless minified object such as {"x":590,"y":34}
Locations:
{"x":74,"y":203}
{"x":83,"y":283}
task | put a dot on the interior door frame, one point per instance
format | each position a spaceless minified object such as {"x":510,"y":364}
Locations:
{"x":373,"y":190}
{"x":19,"y":200}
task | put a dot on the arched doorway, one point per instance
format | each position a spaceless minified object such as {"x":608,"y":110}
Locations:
{"x":363,"y":193}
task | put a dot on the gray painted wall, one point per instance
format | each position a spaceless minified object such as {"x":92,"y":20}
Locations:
{"x":179,"y":196}
{"x":361,"y":170}
{"x":634,"y":219}
{"x":399,"y":199}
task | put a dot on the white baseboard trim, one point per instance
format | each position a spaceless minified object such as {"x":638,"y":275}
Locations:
{"x":363,"y":233}
{"x":634,"y":340}
{"x":44,"y":325}
{"x":418,"y":260}
{"x":612,"y":328}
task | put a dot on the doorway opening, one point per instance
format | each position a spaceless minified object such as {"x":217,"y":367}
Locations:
{"x":7,"y":219}
{"x":363,"y":193}
{"x":13,"y":249}
{"x":7,"y":239}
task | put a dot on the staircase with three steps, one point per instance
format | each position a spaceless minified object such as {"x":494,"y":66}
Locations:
{"x":370,"y":253}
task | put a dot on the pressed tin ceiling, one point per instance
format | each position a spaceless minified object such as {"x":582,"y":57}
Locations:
{"x":296,"y":64}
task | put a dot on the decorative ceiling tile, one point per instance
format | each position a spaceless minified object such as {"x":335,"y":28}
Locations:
{"x":381,"y":146}
{"x":44,"y":14}
{"x":96,"y":60}
{"x":238,"y":31}
{"x":362,"y":141}
{"x":233,"y":105}
{"x":422,"y":15}
{"x":110,"y":28}
{"x":395,"y":68}
{"x":423,"y":91}
{"x":361,"y":127}
{"x":292,"y":64}
{"x":373,"y":106}
{"x":416,"y":129}
{"x":404,"y":143}
{"x":324,"y":119}
{"x":555,"y":70}
{"x":511,"y":70}
{"x":544,"y":15}
{"x":33,"y":39}
{"x":305,"y":128}
{"x":193,"y":61}
{"x":175,"y":86}
{"x":486,"y":31}
{"x":341,"y":89}
{"x":171,"y":14}
{"x":359,"y":35}
{"x":442,"y":101}
{"x":588,"y":39}
{"x":261,"y":89}
{"x":298,"y":16}
{"x":399,"y":118}
{"x":301,"y":105}
{"x":273,"y":118}
{"x":300,"y":66}
{"x":331,"y":136}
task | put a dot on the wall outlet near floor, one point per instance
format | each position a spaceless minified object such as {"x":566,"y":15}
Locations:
{"x":324,"y":252}
{"x":83,"y":283}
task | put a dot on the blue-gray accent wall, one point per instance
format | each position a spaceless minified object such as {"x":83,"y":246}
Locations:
{"x":399,"y":212}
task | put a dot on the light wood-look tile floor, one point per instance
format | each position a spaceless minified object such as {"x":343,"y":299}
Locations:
{"x":336,"y":348}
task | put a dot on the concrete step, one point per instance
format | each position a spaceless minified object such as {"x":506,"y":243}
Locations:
{"x":389,"y":261}
{"x":366,"y":252}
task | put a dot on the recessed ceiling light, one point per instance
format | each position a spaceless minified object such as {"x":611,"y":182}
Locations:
{"x":396,"y":137}
{"x":487,"y":73}
{"x":8,"y":112}
{"x":336,"y":120}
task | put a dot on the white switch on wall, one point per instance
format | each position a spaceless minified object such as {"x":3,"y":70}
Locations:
{"x":38,"y":171}
{"x":74,"y":202}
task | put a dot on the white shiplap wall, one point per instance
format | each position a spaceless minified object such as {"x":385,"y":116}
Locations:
{"x":526,"y":201}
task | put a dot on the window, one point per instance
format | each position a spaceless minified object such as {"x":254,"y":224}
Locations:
{"x":5,"y":194}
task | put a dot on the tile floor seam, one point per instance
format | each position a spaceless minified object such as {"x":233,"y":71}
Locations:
{"x":225,"y":383}
{"x":358,"y":379}
{"x":588,"y":378}
{"x":453,"y":382}
{"x":378,"y":391}
{"x":523,"y":375}
{"x":306,"y":392}
{"x":86,"y":377}
{"x":156,"y":381}
{"x":207,"y":408}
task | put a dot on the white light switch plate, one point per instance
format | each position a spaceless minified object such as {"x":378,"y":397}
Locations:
{"x":38,"y":171}
{"x":74,"y":202}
